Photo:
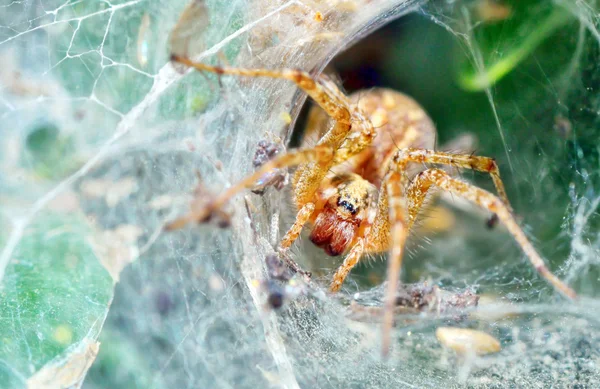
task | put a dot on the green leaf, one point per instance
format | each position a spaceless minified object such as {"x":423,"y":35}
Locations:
{"x":506,"y":44}
{"x":55,"y":294}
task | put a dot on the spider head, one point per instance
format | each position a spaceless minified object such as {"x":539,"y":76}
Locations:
{"x":347,"y":202}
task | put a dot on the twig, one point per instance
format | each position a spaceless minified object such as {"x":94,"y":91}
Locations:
{"x":253,"y":269}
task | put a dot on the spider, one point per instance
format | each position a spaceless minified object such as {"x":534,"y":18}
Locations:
{"x":362,"y":185}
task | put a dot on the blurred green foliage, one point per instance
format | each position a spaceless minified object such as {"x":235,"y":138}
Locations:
{"x":507,"y":32}
{"x":54,"y":294}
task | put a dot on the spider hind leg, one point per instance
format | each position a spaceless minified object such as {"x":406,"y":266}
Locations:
{"x":488,"y":201}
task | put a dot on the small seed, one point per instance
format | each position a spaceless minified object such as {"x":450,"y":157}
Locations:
{"x":491,"y":309}
{"x":465,"y":341}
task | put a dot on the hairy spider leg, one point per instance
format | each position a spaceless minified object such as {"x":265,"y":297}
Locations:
{"x":395,"y":185}
{"x":396,"y":216}
{"x":291,"y":158}
{"x":323,"y":92}
{"x":401,"y":159}
{"x":377,"y":240}
{"x":464,"y":161}
{"x":416,"y":194}
{"x":486,"y":200}
{"x":311,"y":170}
{"x":301,"y":219}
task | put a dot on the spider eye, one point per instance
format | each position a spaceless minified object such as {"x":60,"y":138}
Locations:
{"x":348,"y":206}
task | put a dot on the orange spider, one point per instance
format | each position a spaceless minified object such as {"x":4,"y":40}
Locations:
{"x":362,"y":185}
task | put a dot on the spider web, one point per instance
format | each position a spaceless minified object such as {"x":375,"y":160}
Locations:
{"x":127,"y":133}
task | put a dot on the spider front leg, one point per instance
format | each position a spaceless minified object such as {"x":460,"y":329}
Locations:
{"x":322,"y":91}
{"x":320,"y":155}
{"x":301,"y":219}
{"x":376,"y":239}
{"x":395,"y":184}
{"x":315,"y":163}
{"x":403,"y":209}
{"x":390,"y":228}
{"x":350,"y":261}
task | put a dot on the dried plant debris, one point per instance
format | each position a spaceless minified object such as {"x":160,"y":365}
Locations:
{"x":117,"y":248}
{"x":202,"y":197}
{"x":433,"y":299}
{"x":277,"y":178}
{"x":283,"y":283}
{"x":68,"y":371}
{"x":293,"y":266}
{"x":416,"y":299}
{"x":192,"y":23}
{"x":277,"y":269}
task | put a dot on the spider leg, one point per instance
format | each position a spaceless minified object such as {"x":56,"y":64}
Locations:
{"x":465,"y":161}
{"x":395,"y":183}
{"x":322,"y":91}
{"x":335,"y":104}
{"x":301,"y":218}
{"x":321,"y":155}
{"x":390,"y":225}
{"x":416,"y":194}
{"x":492,"y":203}
{"x":325,"y":93}
{"x":350,"y":261}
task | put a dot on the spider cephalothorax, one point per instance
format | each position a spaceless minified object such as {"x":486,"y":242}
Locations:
{"x":364,"y":181}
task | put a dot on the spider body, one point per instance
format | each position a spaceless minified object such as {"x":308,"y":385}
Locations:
{"x":346,"y":201}
{"x":363,"y":183}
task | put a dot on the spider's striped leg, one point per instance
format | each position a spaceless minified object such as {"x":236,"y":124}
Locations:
{"x":328,"y":96}
{"x":486,"y":200}
{"x":464,"y":161}
{"x":350,"y":261}
{"x":395,"y":185}
{"x":292,"y":234}
{"x":388,"y":231}
{"x":319,"y":154}
{"x":321,"y":90}
{"x":401,"y":222}
{"x":302,"y":218}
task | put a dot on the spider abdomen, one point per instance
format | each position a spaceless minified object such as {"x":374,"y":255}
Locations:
{"x":400,"y":122}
